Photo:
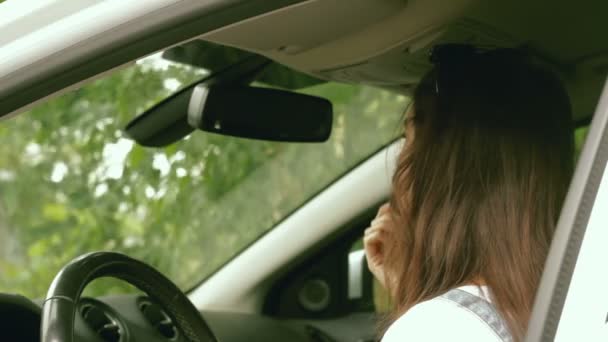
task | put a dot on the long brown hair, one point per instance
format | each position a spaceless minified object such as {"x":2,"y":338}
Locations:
{"x":478,"y":190}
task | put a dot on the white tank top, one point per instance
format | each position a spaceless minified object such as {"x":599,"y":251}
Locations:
{"x":462,"y":314}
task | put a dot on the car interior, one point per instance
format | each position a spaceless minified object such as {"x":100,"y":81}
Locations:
{"x":306,"y":278}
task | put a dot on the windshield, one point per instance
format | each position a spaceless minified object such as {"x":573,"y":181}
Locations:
{"x":72,"y":183}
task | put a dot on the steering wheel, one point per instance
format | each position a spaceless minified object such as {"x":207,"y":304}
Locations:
{"x":60,"y":305}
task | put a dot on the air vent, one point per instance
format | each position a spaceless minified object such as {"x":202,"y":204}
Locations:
{"x":159,"y":319}
{"x":99,"y":319}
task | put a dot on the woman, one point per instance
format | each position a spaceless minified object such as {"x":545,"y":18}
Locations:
{"x":478,"y":189}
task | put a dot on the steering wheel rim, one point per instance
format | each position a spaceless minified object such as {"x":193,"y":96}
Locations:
{"x":65,"y":291}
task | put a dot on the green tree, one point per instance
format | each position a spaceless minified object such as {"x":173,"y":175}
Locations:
{"x":71,"y":182}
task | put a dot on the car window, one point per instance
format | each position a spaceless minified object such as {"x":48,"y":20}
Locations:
{"x":580,"y":134}
{"x":72,"y":183}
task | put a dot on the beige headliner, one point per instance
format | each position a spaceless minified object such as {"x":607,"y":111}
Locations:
{"x":384,"y":42}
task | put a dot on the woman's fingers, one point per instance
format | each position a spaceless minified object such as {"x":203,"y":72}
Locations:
{"x":374,"y":244}
{"x":376,"y":233}
{"x":384,"y":209}
{"x":375,"y":240}
{"x":382,"y":225}
{"x":373,"y":236}
{"x":382,"y":221}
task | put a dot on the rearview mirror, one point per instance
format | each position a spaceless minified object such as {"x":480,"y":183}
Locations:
{"x":260,"y":113}
{"x":235,"y":110}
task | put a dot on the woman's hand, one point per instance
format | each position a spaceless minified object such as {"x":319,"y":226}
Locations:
{"x":375,"y":242}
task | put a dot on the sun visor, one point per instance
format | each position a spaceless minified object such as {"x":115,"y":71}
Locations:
{"x":306,"y":25}
{"x":328,"y":34}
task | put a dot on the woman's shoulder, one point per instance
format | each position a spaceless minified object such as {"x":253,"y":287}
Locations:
{"x":440,"y":318}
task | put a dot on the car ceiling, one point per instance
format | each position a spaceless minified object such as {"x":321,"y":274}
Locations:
{"x":376,"y":42}
{"x":386,"y":42}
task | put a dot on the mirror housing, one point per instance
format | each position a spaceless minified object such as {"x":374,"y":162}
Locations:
{"x":235,"y":110}
{"x":260,"y":113}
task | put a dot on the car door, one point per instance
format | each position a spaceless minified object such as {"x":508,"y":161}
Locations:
{"x":572,"y":300}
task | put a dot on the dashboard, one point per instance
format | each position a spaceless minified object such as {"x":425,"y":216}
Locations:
{"x":126,"y":318}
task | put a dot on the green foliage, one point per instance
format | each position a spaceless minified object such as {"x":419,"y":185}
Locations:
{"x":70,"y":183}
{"x":580,"y":134}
